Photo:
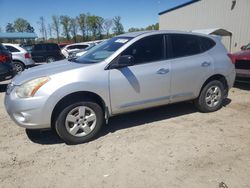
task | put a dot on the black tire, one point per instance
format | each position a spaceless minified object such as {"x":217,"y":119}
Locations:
{"x":61,"y":124}
{"x":50,"y":59}
{"x":201,"y":103}
{"x":18,"y":66}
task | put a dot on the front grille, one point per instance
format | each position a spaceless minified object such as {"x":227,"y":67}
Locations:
{"x":242,"y":64}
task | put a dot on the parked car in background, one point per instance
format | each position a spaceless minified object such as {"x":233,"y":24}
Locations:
{"x":7,"y":71}
{"x":27,"y":47}
{"x":246,"y":47}
{"x":79,"y":53}
{"x":62,"y":45}
{"x":74,"y":47}
{"x":46,"y":52}
{"x":126,"y":73}
{"x":242,"y":63}
{"x":20,"y":57}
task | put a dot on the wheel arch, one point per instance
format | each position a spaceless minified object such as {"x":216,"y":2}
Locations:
{"x":17,"y":60}
{"x":77,"y":96}
{"x":218,"y":77}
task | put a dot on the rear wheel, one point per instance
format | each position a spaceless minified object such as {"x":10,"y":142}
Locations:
{"x":211,"y":97}
{"x":79,"y":122}
{"x":18,"y":66}
{"x":50,"y":59}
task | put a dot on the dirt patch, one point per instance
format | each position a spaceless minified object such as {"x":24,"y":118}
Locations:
{"x":170,"y":146}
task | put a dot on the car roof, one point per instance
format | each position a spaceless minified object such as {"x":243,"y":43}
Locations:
{"x":17,"y":46}
{"x":139,"y":33}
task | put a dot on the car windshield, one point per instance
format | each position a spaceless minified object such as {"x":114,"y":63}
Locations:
{"x":103,"y":50}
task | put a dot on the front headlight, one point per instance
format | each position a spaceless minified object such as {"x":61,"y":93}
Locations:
{"x":29,"y":89}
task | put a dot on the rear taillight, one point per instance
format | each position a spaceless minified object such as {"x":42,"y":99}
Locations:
{"x":27,"y":56}
{"x":232,"y":57}
{"x":4,"y":58}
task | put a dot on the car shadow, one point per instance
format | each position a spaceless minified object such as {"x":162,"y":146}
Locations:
{"x":242,"y":85}
{"x":44,"y":137}
{"x":125,"y":121}
{"x":3,"y":88}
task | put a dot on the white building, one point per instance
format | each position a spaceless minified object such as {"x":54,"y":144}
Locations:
{"x":231,"y":15}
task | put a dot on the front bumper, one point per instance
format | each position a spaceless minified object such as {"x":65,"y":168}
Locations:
{"x":28,"y":112}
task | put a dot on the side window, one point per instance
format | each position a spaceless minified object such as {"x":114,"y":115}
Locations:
{"x":51,"y":47}
{"x":148,"y":49}
{"x":206,"y":43}
{"x":38,"y":47}
{"x":184,"y":45}
{"x":12,"y":49}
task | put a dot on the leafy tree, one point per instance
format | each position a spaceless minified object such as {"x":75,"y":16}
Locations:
{"x":30,"y":29}
{"x":73,"y":28}
{"x":21,"y":25}
{"x":9,"y":28}
{"x":82,"y":22}
{"x":56,"y":26}
{"x":118,"y":27}
{"x":88,"y":20}
{"x":107,"y":25}
{"x":65,"y":21}
{"x":93,"y":25}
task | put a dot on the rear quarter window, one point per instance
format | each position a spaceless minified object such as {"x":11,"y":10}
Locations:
{"x":184,"y":45}
{"x":206,"y":43}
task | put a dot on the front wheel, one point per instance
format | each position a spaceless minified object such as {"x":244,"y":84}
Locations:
{"x":211,"y":97}
{"x":79,"y":122}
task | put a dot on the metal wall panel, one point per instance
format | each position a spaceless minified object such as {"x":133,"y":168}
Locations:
{"x":206,"y":14}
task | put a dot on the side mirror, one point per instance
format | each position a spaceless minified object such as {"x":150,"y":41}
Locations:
{"x":243,"y":48}
{"x":123,"y":61}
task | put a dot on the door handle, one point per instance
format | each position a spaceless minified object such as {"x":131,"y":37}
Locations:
{"x":162,"y":71}
{"x":206,"y":64}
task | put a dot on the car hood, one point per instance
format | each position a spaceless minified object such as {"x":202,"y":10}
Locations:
{"x":46,"y":70}
{"x":243,"y":55}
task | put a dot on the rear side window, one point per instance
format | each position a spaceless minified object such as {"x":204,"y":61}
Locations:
{"x":39,"y":47}
{"x":184,"y":45}
{"x":206,"y":43}
{"x":12,"y":49}
{"x":148,"y":49}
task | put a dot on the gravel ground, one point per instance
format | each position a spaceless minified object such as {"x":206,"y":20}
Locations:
{"x":170,"y":146}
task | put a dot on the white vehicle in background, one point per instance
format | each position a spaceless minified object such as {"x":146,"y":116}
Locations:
{"x":74,"y":47}
{"x":79,"y":53}
{"x":21,"y":58}
{"x":78,"y":46}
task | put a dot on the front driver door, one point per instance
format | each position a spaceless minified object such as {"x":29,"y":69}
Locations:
{"x":145,"y":84}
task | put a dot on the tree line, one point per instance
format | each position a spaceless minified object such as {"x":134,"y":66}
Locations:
{"x":84,"y":27}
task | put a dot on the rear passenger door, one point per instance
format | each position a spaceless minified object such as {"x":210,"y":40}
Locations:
{"x":190,"y":66}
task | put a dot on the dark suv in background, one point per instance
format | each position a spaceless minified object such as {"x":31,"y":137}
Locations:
{"x":46,"y":52}
{"x":6,"y":68}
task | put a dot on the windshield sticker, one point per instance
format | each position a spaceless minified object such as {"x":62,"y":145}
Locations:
{"x":121,"y":41}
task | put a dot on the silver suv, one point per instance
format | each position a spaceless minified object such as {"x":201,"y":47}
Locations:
{"x":126,"y":73}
